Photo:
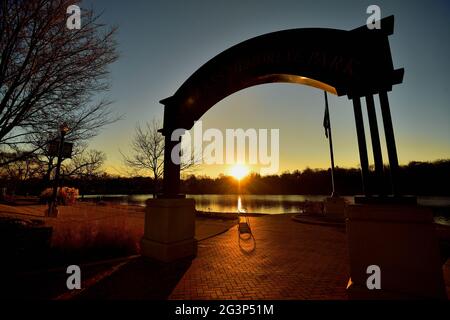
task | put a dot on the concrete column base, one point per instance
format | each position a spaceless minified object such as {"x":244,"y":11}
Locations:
{"x":169,"y":229}
{"x":334,"y":208}
{"x":401,"y":240}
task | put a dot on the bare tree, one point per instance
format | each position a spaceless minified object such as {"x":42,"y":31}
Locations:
{"x":15,"y":172}
{"x":20,"y":170}
{"x":81,"y":160}
{"x":148,"y":152}
{"x":85,"y":164}
{"x":50,"y":74}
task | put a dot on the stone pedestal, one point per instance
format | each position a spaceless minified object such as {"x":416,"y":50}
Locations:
{"x":334,"y":208}
{"x":169,"y":229}
{"x":402,"y":241}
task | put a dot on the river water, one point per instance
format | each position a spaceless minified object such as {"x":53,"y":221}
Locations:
{"x":270,"y":204}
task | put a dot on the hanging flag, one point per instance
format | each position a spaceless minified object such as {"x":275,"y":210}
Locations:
{"x":327,"y":126}
{"x":326,"y":118}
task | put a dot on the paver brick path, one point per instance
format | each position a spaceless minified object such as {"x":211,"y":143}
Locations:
{"x":290,"y":261}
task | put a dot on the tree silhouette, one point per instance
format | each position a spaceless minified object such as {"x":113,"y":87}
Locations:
{"x":50,"y":74}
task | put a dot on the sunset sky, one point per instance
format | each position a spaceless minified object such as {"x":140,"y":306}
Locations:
{"x":162,"y":43}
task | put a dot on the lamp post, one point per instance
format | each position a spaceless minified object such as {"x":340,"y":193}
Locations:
{"x":53,"y":204}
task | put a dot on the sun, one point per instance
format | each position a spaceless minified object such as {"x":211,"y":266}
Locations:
{"x":239,"y":171}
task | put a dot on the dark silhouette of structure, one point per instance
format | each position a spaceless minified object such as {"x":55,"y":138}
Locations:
{"x":356,"y":63}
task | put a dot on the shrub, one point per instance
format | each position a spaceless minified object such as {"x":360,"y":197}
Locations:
{"x":65,"y":195}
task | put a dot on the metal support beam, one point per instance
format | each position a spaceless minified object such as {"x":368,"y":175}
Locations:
{"x":390,"y":139}
{"x":362,"y":146}
{"x":376,"y":146}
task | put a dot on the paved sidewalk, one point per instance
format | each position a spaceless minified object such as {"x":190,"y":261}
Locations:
{"x":286,"y":260}
{"x":290,"y":261}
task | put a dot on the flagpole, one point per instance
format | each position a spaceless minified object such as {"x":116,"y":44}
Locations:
{"x":333,"y":194}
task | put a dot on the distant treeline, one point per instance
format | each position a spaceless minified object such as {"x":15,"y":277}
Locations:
{"x":417,"y":178}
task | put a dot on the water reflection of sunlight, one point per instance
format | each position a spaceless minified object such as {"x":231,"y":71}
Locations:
{"x":240,"y":208}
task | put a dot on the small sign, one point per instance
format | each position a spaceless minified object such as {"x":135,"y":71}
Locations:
{"x":53,"y":148}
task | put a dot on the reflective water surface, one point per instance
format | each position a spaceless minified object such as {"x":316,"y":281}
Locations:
{"x":269,"y":204}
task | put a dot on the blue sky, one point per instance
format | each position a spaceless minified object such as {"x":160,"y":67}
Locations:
{"x":162,"y":43}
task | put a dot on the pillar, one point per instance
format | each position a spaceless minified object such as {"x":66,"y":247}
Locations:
{"x":169,"y":230}
{"x":399,"y":239}
{"x":362,"y":146}
{"x":390,"y":139}
{"x":171,"y":180}
{"x":376,"y":146}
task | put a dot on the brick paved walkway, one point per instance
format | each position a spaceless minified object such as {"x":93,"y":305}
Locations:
{"x":291,"y":261}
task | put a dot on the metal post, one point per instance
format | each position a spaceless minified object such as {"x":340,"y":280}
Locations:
{"x":376,"y":146}
{"x":390,"y":139}
{"x":333,"y":193}
{"x":53,"y":205}
{"x":362,"y":146}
